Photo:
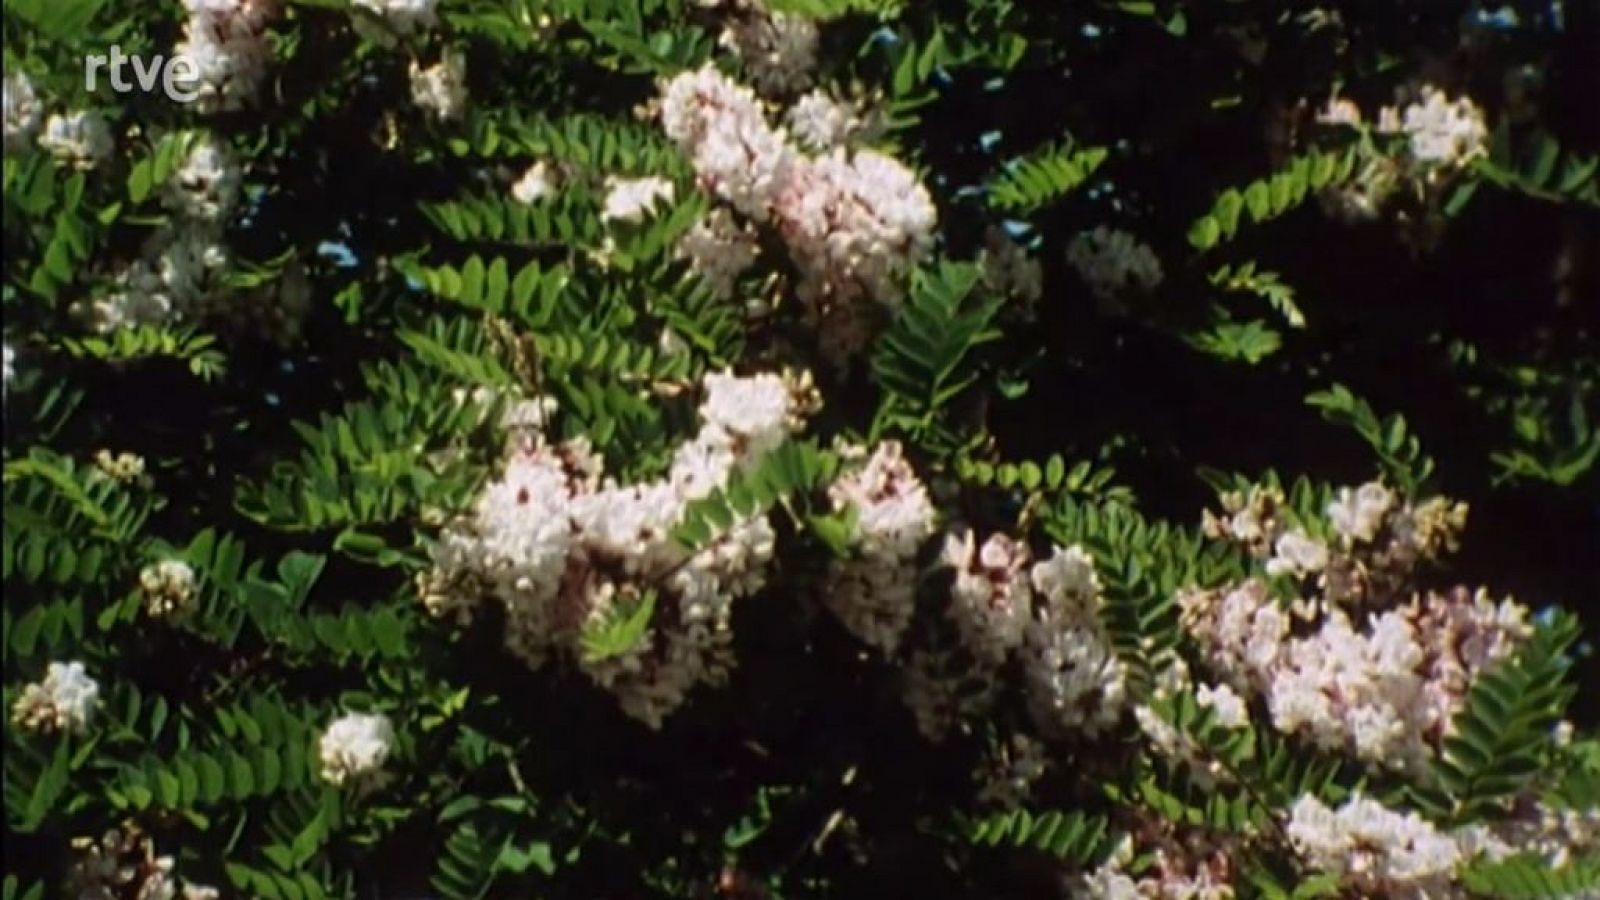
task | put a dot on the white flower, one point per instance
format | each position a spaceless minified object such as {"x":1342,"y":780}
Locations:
{"x":1113,"y":262}
{"x":23,"y":112}
{"x":441,"y":89}
{"x":1297,"y":553}
{"x":81,"y":139}
{"x":855,"y":224}
{"x":206,"y":186}
{"x":1372,"y":848}
{"x":1068,"y":583}
{"x":537,"y":183}
{"x":561,"y":549}
{"x":10,"y":367}
{"x":1076,"y":682}
{"x":225,"y":42}
{"x":628,"y":200}
{"x":1339,"y":111}
{"x":64,"y":701}
{"x":354,"y":749}
{"x":1228,"y":706}
{"x":1444,"y":132}
{"x":755,"y":411}
{"x":180,"y":277}
{"x":719,"y":250}
{"x":402,"y":16}
{"x":821,"y":122}
{"x":1358,"y":513}
{"x":779,"y":50}
{"x":720,"y":126}
{"x":991,"y":601}
{"x":168,"y":587}
{"x":874,"y":592}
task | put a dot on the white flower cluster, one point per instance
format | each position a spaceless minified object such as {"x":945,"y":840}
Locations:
{"x":182,"y":272}
{"x":1357,"y":513}
{"x":1373,"y":849}
{"x":1228,"y":710}
{"x":206,"y":187}
{"x":1376,"y":539}
{"x":181,"y":276}
{"x":1557,"y":835}
{"x":169,"y":588}
{"x":1114,"y":262}
{"x":1442,"y":135}
{"x":562,"y":551}
{"x":778,"y":50}
{"x":991,"y":601}
{"x":123,"y":863}
{"x":400,"y":17}
{"x":630,"y":199}
{"x":353,"y":751}
{"x":874,"y":592}
{"x":1444,"y":132}
{"x":820,"y":121}
{"x":1386,"y":693}
{"x":441,"y":89}
{"x":23,"y":112}
{"x":719,"y":250}
{"x":80,"y":139}
{"x":1175,"y":872}
{"x":226,"y":40}
{"x":537,"y":183}
{"x":64,"y":701}
{"x":855,"y":223}
{"x":1075,"y":682}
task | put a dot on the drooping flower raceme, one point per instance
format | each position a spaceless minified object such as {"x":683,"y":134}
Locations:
{"x":354,"y":749}
{"x":778,"y":50}
{"x":225,"y":40}
{"x":719,"y":249}
{"x":819,"y":121}
{"x":180,"y":277}
{"x":1076,"y":681}
{"x":1385,"y":693}
{"x":991,"y":600}
{"x":874,"y":592}
{"x":564,"y":550}
{"x":80,"y":139}
{"x":855,"y":223}
{"x":1444,"y":132}
{"x":206,"y":187}
{"x":64,"y":701}
{"x":1372,"y":848}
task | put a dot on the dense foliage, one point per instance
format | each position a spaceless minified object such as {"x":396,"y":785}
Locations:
{"x":801,"y":448}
